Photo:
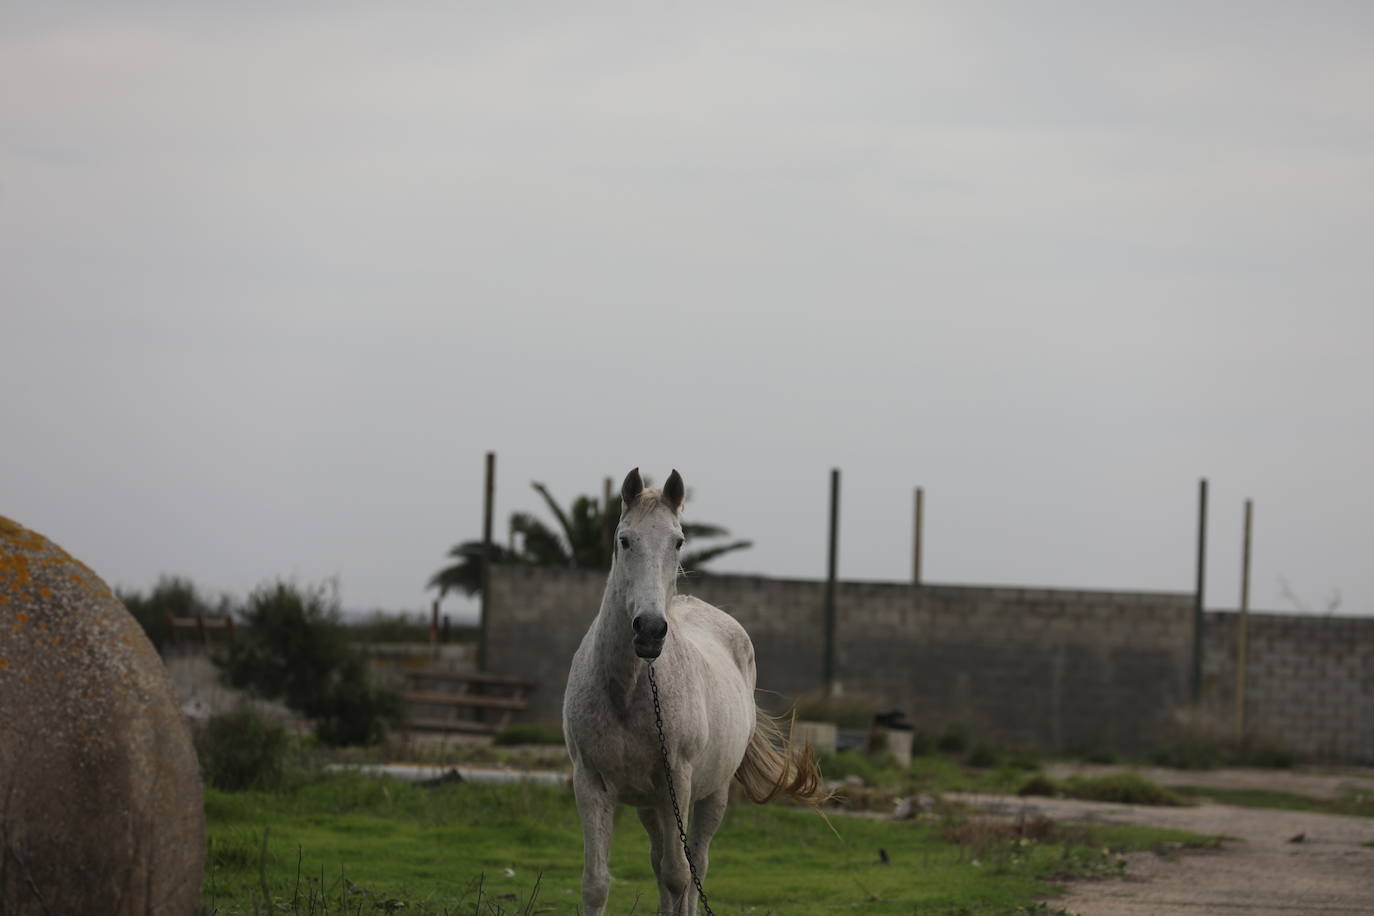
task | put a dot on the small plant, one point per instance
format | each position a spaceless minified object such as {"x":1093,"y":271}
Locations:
{"x":242,"y":749}
{"x":528,"y":733}
{"x":1023,"y":760}
{"x":1123,"y":788}
{"x":852,"y":711}
{"x":1202,"y":745}
{"x":1039,"y":784}
{"x":955,"y":740}
{"x":983,"y":756}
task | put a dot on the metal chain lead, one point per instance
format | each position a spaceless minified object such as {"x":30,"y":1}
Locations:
{"x":672,"y":792}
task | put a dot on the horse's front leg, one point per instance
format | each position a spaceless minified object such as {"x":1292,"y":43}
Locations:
{"x":654,"y":826}
{"x":674,"y":877}
{"x":706,"y":817}
{"x":597,"y":810}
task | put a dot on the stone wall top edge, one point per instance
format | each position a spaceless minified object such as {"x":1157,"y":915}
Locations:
{"x":1273,"y":617}
{"x":1010,"y":592}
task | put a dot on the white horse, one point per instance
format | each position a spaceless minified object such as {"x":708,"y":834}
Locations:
{"x":703,"y":663}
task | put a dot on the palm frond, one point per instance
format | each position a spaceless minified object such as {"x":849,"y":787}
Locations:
{"x":693,"y":560}
{"x":466,"y":574}
{"x":540,"y":544}
{"x":703,"y":530}
{"x":557,"y":511}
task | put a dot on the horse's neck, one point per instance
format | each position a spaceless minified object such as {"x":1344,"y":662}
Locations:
{"x":617,"y":667}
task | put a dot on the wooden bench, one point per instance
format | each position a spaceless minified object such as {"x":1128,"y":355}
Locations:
{"x":201,"y":626}
{"x":437,"y":700}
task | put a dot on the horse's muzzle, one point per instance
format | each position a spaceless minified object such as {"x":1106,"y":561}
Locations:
{"x":648,"y":648}
{"x":650,"y":630}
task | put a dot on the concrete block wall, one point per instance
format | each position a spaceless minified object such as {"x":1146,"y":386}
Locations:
{"x":1049,"y":668}
{"x":1046,"y":668}
{"x":1309,"y":681}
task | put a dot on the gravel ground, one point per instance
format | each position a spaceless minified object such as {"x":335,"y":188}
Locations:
{"x":1277,"y":862}
{"x":1317,"y":783}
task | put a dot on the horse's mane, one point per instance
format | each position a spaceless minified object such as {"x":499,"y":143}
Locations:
{"x":646,"y":503}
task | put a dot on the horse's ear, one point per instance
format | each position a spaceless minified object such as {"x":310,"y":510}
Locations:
{"x":674,"y":492}
{"x":630,"y":490}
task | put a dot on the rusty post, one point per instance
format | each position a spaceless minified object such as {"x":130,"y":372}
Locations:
{"x":919,"y":532}
{"x":489,"y":493}
{"x":1198,"y":620}
{"x":831,"y":684}
{"x":1243,"y":621}
{"x":607,"y":522}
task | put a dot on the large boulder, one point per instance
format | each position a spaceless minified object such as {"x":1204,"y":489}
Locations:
{"x":100,"y":794}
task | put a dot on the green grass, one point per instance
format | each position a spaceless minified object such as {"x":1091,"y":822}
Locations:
{"x":351,"y":844}
{"x":1359,"y":804}
{"x":932,"y":773}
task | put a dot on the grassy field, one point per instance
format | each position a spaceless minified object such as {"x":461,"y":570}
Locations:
{"x":349,"y":844}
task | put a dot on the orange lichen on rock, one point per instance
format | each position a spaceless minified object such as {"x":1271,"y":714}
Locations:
{"x":23,"y":553}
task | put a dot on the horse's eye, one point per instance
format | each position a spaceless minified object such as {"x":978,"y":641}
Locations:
{"x":624,"y":542}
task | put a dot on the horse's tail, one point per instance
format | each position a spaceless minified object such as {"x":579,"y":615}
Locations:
{"x":774,"y":766}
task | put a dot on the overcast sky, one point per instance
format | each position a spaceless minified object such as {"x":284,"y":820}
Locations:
{"x":273,"y":281}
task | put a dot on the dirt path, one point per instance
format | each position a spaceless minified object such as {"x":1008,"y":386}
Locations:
{"x":1261,"y":872}
{"x":1326,"y":783}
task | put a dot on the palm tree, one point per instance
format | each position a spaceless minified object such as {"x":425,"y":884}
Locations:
{"x":581,"y":540}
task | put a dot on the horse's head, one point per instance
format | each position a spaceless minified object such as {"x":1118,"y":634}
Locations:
{"x":644,"y":569}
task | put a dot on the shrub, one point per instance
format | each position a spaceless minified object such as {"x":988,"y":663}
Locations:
{"x":242,"y":749}
{"x":1199,"y":745}
{"x":1039,"y":784}
{"x":1260,"y":752}
{"x":1023,"y":760}
{"x":528,"y":733}
{"x":983,"y":756}
{"x":955,"y":740}
{"x":922,"y":744}
{"x":1126,"y":788}
{"x":854,"y":711}
{"x":1123,"y":788}
{"x":354,"y":710}
{"x":171,"y":595}
{"x":293,"y":647}
{"x":846,"y":764}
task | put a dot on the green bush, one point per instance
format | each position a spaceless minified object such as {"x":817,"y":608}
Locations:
{"x":1123,"y":788}
{"x":845,"y":764}
{"x":242,"y":749}
{"x":1023,"y":760}
{"x":848,"y":712}
{"x":528,"y":733}
{"x":1126,"y":788}
{"x":922,"y":744}
{"x":293,"y":647}
{"x":955,"y":740}
{"x":1039,"y":784}
{"x":1194,"y":747}
{"x":1259,"y":752}
{"x":171,"y":595}
{"x":983,"y":756}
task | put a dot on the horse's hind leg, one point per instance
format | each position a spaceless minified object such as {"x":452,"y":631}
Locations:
{"x":706,"y":817}
{"x":597,"y":810}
